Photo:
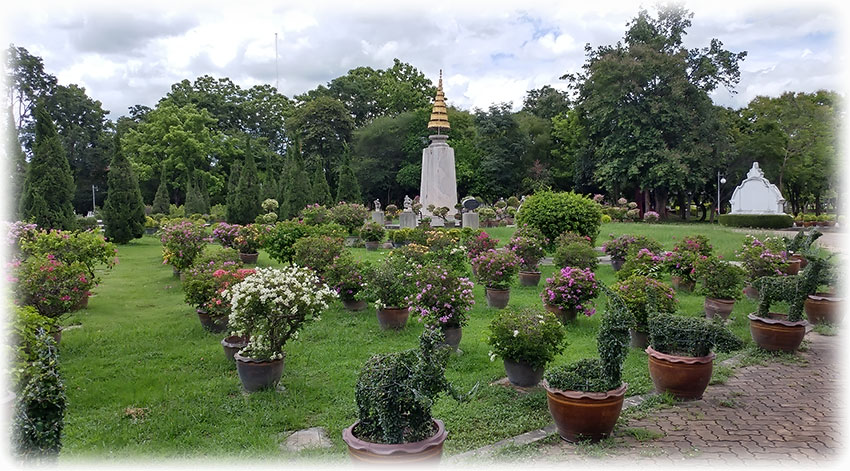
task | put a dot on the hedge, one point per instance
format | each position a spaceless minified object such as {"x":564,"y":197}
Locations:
{"x":765,"y":221}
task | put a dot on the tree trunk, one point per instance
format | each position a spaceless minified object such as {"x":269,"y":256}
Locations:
{"x":646,"y":201}
{"x":713,"y":212}
{"x":661,"y":203}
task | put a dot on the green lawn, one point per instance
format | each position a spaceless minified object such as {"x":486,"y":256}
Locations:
{"x":143,"y":377}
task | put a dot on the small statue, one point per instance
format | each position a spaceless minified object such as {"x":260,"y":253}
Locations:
{"x":377,"y":205}
{"x":408,"y":204}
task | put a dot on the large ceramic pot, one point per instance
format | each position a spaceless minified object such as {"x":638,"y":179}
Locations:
{"x":793,"y":267}
{"x":429,"y":450}
{"x":776,"y":333}
{"x":802,"y":259}
{"x":617,"y":263}
{"x":249,"y":258}
{"x":372,"y":245}
{"x":682,"y":284}
{"x":585,"y":415}
{"x":529,"y":278}
{"x":751,"y":292}
{"x":258,"y":374}
{"x":639,"y":338}
{"x":718,"y":307}
{"x":497,"y":298}
{"x":216,"y":324}
{"x":563,"y":315}
{"x":394,"y":318}
{"x":522,"y":374}
{"x":353,"y":304}
{"x":824,"y":308}
{"x":452,"y":336}
{"x":232,"y":344}
{"x":683,"y":377}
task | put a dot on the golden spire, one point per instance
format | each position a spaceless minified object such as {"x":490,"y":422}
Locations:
{"x":439,"y":117}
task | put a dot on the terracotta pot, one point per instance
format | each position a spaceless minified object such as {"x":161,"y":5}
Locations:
{"x":372,"y":245}
{"x":563,"y":315}
{"x":215,"y":325}
{"x":775,"y":333}
{"x":353,"y":304}
{"x":529,"y":278}
{"x":751,"y":292}
{"x":249,"y":258}
{"x":681,"y":284}
{"x":452,"y":336}
{"x":232,"y":345}
{"x":394,"y":318}
{"x":802,"y":259}
{"x":638,"y":338}
{"x":793,"y":267}
{"x":617,"y":263}
{"x":718,"y":307}
{"x":521,"y":374}
{"x":497,"y":298}
{"x":585,"y":415}
{"x":824,"y":308}
{"x":258,"y":374}
{"x":429,"y":450}
{"x":683,"y":377}
{"x":82,"y":304}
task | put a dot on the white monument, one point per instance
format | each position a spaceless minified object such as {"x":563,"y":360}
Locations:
{"x":438,"y":184}
{"x":756,"y":195}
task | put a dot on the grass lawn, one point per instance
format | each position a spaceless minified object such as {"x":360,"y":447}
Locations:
{"x":143,"y":377}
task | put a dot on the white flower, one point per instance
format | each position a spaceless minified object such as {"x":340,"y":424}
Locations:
{"x":492,"y":356}
{"x":516,"y":332}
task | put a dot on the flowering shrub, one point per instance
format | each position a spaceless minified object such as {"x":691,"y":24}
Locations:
{"x":619,"y":247}
{"x":644,"y":263}
{"x":271,"y":305}
{"x":697,"y":244}
{"x":249,"y":237}
{"x":372,"y":232}
{"x":530,"y":336}
{"x":51,"y":286}
{"x":571,"y":238}
{"x":529,"y":250}
{"x":480,"y":244}
{"x":496,"y":268}
{"x":88,"y":248}
{"x":18,"y":232}
{"x":650,"y":216}
{"x":392,"y":211}
{"x":389,"y":284}
{"x":218,"y":304}
{"x":442,"y":239}
{"x":345,"y":275}
{"x":720,"y":279}
{"x":441,"y":298}
{"x":763,"y":258}
{"x":576,"y":254}
{"x":315,"y":214}
{"x":571,"y":289}
{"x":349,"y":215}
{"x":182,"y":243}
{"x":198,"y":284}
{"x":682,"y":260}
{"x":643,"y":295}
{"x":317,"y":252}
{"x":226,"y":234}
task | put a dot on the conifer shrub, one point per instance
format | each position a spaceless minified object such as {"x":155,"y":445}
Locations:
{"x":124,"y":210}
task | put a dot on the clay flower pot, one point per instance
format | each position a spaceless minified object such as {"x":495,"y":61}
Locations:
{"x":372,"y":245}
{"x":429,"y":450}
{"x":802,"y":259}
{"x":452,"y":336}
{"x":681,"y":284}
{"x":718,"y":307}
{"x":638,"y":338}
{"x":585,"y":415}
{"x":775,"y":333}
{"x":683,"y":377}
{"x":824,"y":308}
{"x":232,"y":344}
{"x":793,"y":267}
{"x":249,"y":258}
{"x":617,"y":263}
{"x":82,"y":304}
{"x":497,"y":298}
{"x":394,"y":318}
{"x":215,"y":325}
{"x":353,"y":304}
{"x":529,"y":278}
{"x":521,"y":374}
{"x":258,"y":374}
{"x":563,"y":315}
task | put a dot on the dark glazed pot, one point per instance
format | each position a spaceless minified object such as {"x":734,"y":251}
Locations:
{"x":824,"y":308}
{"x":175,"y":272}
{"x":497,"y":298}
{"x":638,"y":338}
{"x":249,"y":258}
{"x":521,"y":374}
{"x":372,"y":245}
{"x":529,"y":278}
{"x":429,"y":450}
{"x":585,"y":415}
{"x":718,"y":307}
{"x":777,"y":334}
{"x":617,"y":263}
{"x":452,"y":336}
{"x":394,"y":318}
{"x":232,"y":345}
{"x":215,"y":325}
{"x":354,"y":305}
{"x":150,"y":230}
{"x":258,"y":374}
{"x":564,"y":315}
{"x":681,"y":284}
{"x":683,"y":377}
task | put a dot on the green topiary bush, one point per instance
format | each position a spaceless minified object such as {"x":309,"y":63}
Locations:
{"x":690,"y":336}
{"x":531,"y":336}
{"x":555,"y":213}
{"x":765,"y":221}
{"x":576,"y":254}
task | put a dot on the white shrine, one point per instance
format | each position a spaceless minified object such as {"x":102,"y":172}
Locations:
{"x":756,"y":195}
{"x":438,"y":185}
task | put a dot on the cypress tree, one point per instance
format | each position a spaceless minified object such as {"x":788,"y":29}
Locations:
{"x":124,"y":210}
{"x":232,"y":183}
{"x":270,"y":187}
{"x":348,"y":189}
{"x":162,"y":200}
{"x":300,"y":194}
{"x":283,"y":192}
{"x":49,"y":187}
{"x":17,"y":164}
{"x":247,"y":200}
{"x":194,"y":203}
{"x":203,"y":192}
{"x":321,"y":189}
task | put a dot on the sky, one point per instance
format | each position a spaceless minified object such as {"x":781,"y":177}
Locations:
{"x":127,"y":53}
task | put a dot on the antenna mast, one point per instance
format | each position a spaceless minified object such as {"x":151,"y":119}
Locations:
{"x":276,"y":75}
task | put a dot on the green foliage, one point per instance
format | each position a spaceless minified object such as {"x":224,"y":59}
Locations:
{"x":372,"y":232}
{"x":644,"y":263}
{"x":793,"y":289}
{"x":576,"y":254}
{"x":317,"y":252}
{"x":124,"y":210}
{"x":162,"y":198}
{"x":315,"y":215}
{"x":232,"y":185}
{"x":620,"y":247}
{"x":299,"y":194}
{"x":720,"y":279}
{"x":582,"y":375}
{"x":531,"y":335}
{"x":194,"y":203}
{"x":199,"y":284}
{"x":349,"y":215}
{"x":321,"y":189}
{"x":246,"y":202}
{"x":761,"y":221}
{"x":642,"y":296}
{"x":555,"y":213}
{"x":51,"y":285}
{"x":348,"y":189}
{"x":280,"y":240}
{"x":802,"y":241}
{"x":87,"y":248}
{"x":690,"y":336}
{"x":496,"y":269}
{"x":388,"y":284}
{"x":16,"y":162}
{"x":530,"y":251}
{"x":347,"y":276}
{"x":182,"y":242}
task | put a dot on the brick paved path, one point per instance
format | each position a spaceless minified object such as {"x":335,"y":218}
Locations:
{"x":787,"y":413}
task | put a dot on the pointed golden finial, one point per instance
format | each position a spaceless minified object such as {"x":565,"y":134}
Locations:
{"x":439,"y":117}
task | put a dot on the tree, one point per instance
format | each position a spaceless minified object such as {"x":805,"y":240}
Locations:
{"x":49,"y":186}
{"x":124,"y":210}
{"x":349,"y":188}
{"x":232,"y":185}
{"x":323,"y":127}
{"x":298,"y":193}
{"x":546,"y":102}
{"x":320,"y":187}
{"x":27,"y":82}
{"x":16,"y":168}
{"x":246,"y":203}
{"x":162,"y":201}
{"x":194,"y":201}
{"x":502,"y":146}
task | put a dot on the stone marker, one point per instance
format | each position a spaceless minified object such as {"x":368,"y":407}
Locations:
{"x":315,"y":437}
{"x":470,"y":220}
{"x":378,"y":216}
{"x":407,"y":219}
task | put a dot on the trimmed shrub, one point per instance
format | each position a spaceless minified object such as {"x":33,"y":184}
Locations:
{"x":765,"y":221}
{"x":690,"y":336}
{"x":576,"y":254}
{"x":555,"y":213}
{"x":530,"y":335}
{"x":317,"y":252}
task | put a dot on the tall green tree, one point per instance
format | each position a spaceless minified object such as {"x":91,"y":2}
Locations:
{"x":232,"y":188}
{"x":162,"y":200}
{"x":349,"y":187}
{"x":502,"y":146}
{"x":16,"y":164}
{"x":246,"y":203}
{"x":299,"y":192}
{"x":323,"y":127}
{"x":124,"y":210}
{"x":194,"y":201}
{"x":49,"y":186}
{"x":28,"y":82}
{"x":320,"y":188}
{"x":546,"y":102}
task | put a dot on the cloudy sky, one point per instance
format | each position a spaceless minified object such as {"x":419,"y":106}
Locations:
{"x":127,"y":53}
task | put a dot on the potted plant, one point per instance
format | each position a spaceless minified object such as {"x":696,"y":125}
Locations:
{"x":388,"y":286}
{"x":346,"y":276}
{"x":619,"y":247}
{"x":441,"y":212}
{"x":643,"y":262}
{"x":151,"y":225}
{"x":526,"y":340}
{"x":487,"y":215}
{"x":796,"y":246}
{"x":400,"y":237}
{"x":569,"y":291}
{"x":643,"y":295}
{"x":316,"y":214}
{"x":530,"y":251}
{"x":217,"y":308}
{"x":479,"y":244}
{"x":681,"y":261}
{"x":317,"y":252}
{"x":680,"y":352}
{"x":585,"y":398}
{"x":576,"y":253}
{"x":650,"y":217}
{"x":761,"y":258}
{"x":351,"y":216}
{"x":394,"y":394}
{"x":248,"y":241}
{"x":442,"y":300}
{"x":200,"y":285}
{"x":372,"y":233}
{"x":270,"y":306}
{"x":721,"y":284}
{"x":496,"y":269}
{"x":226,"y":234}
{"x":182,"y":243}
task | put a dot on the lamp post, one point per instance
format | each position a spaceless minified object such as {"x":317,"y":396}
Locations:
{"x":720,"y":181}
{"x":92,"y":198}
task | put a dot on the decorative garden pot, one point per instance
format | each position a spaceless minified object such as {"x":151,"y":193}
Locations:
{"x":232,"y":345}
{"x":529,"y":278}
{"x":353,"y":304}
{"x":563,"y":315}
{"x":521,"y":374}
{"x":258,"y":374}
{"x":497,"y":298}
{"x":585,"y":415}
{"x":429,"y":450}
{"x":394,"y":318}
{"x":802,"y":259}
{"x":776,"y":333}
{"x":793,"y":267}
{"x":249,"y":258}
{"x":824,"y":308}
{"x":216,"y":324}
{"x":372,"y":245}
{"x":617,"y":263}
{"x":683,"y":377}
{"x":82,"y":304}
{"x":638,"y":338}
{"x":452,"y":336}
{"x":351,"y":241}
{"x":718,"y":307}
{"x":751,"y":292}
{"x":681,"y":284}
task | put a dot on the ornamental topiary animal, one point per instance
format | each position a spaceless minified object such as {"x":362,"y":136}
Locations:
{"x":793,"y":289}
